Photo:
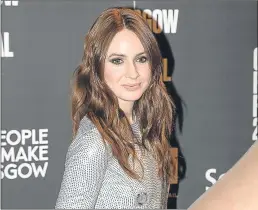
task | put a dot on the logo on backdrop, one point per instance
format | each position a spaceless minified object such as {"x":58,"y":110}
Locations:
{"x":5,"y":36}
{"x":211,"y":174}
{"x":161,"y":20}
{"x":24,"y":153}
{"x":212,"y":177}
{"x":7,"y":3}
{"x":255,"y":106}
{"x":5,"y":46}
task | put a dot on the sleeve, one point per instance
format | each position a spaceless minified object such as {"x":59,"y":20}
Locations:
{"x":85,"y":166}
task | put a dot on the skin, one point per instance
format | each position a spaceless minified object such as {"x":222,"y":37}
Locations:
{"x":127,"y":63}
{"x":237,"y":189}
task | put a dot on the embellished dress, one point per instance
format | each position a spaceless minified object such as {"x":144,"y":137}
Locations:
{"x":93,"y":178}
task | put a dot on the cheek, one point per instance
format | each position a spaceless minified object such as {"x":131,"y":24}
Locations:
{"x":111,"y":76}
{"x":146,"y":73}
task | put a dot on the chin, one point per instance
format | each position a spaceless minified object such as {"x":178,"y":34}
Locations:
{"x":131,"y":97}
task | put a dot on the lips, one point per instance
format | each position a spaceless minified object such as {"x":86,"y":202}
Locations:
{"x":132,"y":85}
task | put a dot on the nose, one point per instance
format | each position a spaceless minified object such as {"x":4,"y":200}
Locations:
{"x":132,"y":71}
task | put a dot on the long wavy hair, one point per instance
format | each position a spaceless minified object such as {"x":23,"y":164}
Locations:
{"x":92,"y":97}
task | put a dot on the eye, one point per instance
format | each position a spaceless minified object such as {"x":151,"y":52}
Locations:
{"x":116,"y":61}
{"x":142,"y":59}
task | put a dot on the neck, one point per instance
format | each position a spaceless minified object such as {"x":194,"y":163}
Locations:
{"x":127,"y":108}
{"x":130,"y":117}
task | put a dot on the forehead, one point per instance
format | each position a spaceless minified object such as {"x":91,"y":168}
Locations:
{"x":125,"y":42}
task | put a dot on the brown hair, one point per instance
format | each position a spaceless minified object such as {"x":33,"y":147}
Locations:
{"x":92,"y":97}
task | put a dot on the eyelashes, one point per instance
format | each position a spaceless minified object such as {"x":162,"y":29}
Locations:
{"x":119,"y":61}
{"x":116,"y":61}
{"x":143,"y":59}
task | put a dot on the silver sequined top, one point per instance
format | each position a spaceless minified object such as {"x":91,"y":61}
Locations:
{"x":93,"y":178}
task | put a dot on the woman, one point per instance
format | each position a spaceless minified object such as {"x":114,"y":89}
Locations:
{"x":122,"y":118}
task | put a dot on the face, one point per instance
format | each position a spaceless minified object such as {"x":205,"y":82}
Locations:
{"x":127,"y":68}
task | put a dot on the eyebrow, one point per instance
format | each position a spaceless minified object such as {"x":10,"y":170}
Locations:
{"x":123,"y":55}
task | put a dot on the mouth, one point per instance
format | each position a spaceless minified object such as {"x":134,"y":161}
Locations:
{"x":132,"y":86}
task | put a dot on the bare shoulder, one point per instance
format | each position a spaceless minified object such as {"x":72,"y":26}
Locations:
{"x":237,"y":189}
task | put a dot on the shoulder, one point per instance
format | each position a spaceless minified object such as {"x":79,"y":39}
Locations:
{"x":85,"y":167}
{"x":87,"y":141}
{"x":85,"y":126}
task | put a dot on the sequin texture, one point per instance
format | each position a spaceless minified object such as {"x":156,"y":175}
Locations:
{"x":93,"y":178}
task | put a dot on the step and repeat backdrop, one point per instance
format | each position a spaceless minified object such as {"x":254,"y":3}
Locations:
{"x":209,"y":54}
